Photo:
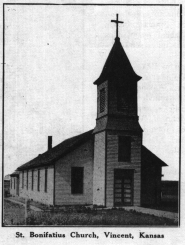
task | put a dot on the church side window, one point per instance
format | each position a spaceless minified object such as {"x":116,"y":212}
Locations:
{"x":102,"y":100}
{"x":77,"y":180}
{"x":23,"y":179}
{"x":46,"y":180}
{"x":27,"y":180}
{"x":124,"y":149}
{"x":11,"y":182}
{"x":32,"y":179}
{"x":38,"y":180}
{"x":14,"y":183}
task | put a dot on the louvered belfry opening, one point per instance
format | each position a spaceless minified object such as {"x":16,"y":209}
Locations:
{"x":102,"y":100}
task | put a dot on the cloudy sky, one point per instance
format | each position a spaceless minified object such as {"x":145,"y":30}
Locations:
{"x":53,"y":55}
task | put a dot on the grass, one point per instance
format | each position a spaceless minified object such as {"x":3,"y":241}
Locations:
{"x":13,"y":213}
{"x":110,"y":217}
{"x":83,"y":217}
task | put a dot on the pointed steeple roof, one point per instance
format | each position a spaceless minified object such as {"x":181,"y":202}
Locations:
{"x":117,"y":64}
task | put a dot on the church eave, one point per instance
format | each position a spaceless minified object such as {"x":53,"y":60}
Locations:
{"x":15,"y":174}
{"x":50,"y":157}
{"x":124,"y":77}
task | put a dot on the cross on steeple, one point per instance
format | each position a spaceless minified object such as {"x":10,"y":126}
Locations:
{"x":117,"y":22}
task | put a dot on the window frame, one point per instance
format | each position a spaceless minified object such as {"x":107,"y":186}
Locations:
{"x":75,"y":185}
{"x":121,"y":141}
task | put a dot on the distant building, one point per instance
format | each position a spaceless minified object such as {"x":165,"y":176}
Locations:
{"x":14,"y":184}
{"x":7,"y":185}
{"x":107,"y":165}
{"x":170,"y":189}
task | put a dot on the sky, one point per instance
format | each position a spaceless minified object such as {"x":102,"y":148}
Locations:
{"x":53,"y":54}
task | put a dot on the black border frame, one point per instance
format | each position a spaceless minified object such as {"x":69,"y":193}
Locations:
{"x":180,"y":103}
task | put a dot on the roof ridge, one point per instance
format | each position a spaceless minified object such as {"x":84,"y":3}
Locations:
{"x":59,"y":150}
{"x":153,"y":155}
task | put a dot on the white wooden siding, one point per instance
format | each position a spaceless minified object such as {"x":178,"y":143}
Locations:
{"x":39,"y":196}
{"x":99,"y":169}
{"x":13,"y":191}
{"x":80,"y":157}
{"x":112,"y":163}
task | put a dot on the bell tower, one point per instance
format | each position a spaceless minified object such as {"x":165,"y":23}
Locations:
{"x":118,"y":135}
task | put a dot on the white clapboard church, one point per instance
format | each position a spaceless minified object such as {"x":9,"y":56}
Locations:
{"x":108,"y":165}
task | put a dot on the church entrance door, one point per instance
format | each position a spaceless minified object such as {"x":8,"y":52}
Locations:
{"x":123,"y":187}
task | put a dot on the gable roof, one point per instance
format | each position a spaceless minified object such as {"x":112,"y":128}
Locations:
{"x":148,"y":156}
{"x":65,"y":147}
{"x":117,"y":64}
{"x":14,"y":174}
{"x":48,"y":157}
{"x":7,"y":177}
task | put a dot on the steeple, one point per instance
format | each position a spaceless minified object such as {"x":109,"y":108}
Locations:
{"x":117,"y":91}
{"x":117,"y":64}
{"x":117,"y":135}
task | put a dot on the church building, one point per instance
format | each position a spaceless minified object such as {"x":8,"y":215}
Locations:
{"x":108,"y":165}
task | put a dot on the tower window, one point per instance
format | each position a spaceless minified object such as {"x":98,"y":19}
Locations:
{"x":124,"y":149}
{"x":122,"y":97}
{"x":102,"y":100}
{"x":77,"y":180}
